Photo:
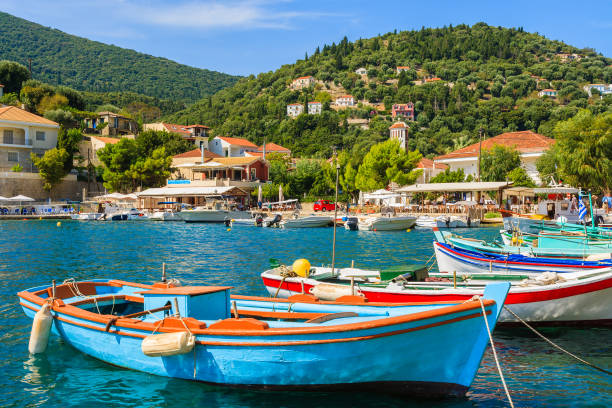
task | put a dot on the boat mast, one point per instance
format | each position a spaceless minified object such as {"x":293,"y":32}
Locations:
{"x":335,"y":212}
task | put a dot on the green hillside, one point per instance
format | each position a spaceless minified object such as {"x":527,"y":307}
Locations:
{"x":63,"y":59}
{"x":489,"y":79}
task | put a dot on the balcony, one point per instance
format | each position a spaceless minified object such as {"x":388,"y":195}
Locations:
{"x":16,"y":142}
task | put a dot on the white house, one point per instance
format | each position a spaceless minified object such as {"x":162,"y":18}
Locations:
{"x":548,"y":92}
{"x":602,"y":88}
{"x":295,"y":109}
{"x":399,"y":131}
{"x":22,"y":133}
{"x":429,"y":169}
{"x":361,"y":71}
{"x":345,"y":100}
{"x":231,"y":146}
{"x":530,"y":146}
{"x":303,"y":82}
{"x":314,"y":108}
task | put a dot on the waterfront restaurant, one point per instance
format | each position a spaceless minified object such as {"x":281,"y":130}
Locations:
{"x":177,"y":194}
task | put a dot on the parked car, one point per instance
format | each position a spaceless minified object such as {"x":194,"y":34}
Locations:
{"x":324,"y":205}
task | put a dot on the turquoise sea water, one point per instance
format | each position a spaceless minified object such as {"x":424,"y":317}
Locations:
{"x":33,"y":253}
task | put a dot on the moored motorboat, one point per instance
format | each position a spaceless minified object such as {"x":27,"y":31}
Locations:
{"x":583,"y":298}
{"x":309,"y":221}
{"x":386,"y":223}
{"x":216,"y":212}
{"x":165,"y":215}
{"x":199,"y":333}
{"x":87,"y":216}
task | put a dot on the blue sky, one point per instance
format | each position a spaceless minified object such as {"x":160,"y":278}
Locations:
{"x":251,"y":36}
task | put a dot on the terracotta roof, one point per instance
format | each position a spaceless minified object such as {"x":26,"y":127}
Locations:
{"x":345,"y":96}
{"x":107,"y":140}
{"x":273,"y":147}
{"x":196,"y":126}
{"x":403,"y":67}
{"x":15,"y":114}
{"x":197,"y":153}
{"x":236,"y":141}
{"x":548,"y":90}
{"x":314,"y":103}
{"x":295,"y":104}
{"x":254,"y":154}
{"x":525,"y":142}
{"x":172,"y":128}
{"x":304,"y":77}
{"x":433,"y":79}
{"x":398,"y":125}
{"x":426,"y":163}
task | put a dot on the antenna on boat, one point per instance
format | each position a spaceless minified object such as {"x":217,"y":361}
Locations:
{"x":335,"y":212}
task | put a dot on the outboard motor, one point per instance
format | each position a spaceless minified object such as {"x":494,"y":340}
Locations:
{"x":275,"y":221}
{"x":258,"y":220}
{"x":351,"y":223}
{"x":469,"y":221}
{"x":227,"y":221}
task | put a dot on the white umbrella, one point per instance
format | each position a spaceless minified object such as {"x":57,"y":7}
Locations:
{"x":20,"y":198}
{"x":280,"y":193}
{"x":3,"y":198}
{"x":259,"y":195}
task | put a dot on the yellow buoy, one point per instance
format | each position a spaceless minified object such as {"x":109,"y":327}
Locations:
{"x":229,"y":229}
{"x":301,"y":267}
{"x":408,"y":230}
{"x":59,"y":224}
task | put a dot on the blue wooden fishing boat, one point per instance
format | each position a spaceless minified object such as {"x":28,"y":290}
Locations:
{"x":201,"y":333}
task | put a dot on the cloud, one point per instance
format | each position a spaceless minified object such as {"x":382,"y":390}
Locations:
{"x":206,"y":14}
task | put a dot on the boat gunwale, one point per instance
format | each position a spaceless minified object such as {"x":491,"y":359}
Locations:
{"x":75,"y":312}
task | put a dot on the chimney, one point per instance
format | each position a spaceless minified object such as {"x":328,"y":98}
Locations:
{"x":202,"y":151}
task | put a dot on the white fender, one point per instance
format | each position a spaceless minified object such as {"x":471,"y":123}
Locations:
{"x":168,"y":344}
{"x":41,"y":327}
{"x":325,"y":291}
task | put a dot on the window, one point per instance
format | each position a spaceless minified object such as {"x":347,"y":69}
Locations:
{"x":40,"y":135}
{"x":13,"y":156}
{"x":8,"y":137}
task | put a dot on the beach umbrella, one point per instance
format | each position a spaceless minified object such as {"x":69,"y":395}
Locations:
{"x":280,"y":193}
{"x":21,"y":198}
{"x":3,"y":198}
{"x":259,"y":195}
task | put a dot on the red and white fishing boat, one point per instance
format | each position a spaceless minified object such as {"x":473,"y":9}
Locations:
{"x":581,"y":298}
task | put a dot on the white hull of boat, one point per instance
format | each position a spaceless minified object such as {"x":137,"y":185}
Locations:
{"x":87,"y":216}
{"x":384,"y":223}
{"x":165,"y":216}
{"x":313,"y":221}
{"x":575,"y":301}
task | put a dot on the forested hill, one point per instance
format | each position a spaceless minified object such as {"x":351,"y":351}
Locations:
{"x":459,"y":78}
{"x":63,"y":59}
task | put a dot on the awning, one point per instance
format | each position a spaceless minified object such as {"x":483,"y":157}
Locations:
{"x":190,"y":191}
{"x":556,"y":190}
{"x":452,"y":187}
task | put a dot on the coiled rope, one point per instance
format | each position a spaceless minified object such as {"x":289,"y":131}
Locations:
{"x":603,"y":370}
{"x":501,"y":375}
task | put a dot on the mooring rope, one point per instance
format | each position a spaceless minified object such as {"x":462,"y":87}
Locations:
{"x":603,"y":370}
{"x":501,"y":375}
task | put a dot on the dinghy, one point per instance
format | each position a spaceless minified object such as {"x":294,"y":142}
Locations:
{"x":200,"y":333}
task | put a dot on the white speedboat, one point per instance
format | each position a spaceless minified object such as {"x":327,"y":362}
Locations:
{"x":91,"y":216}
{"x":386,"y":223}
{"x":165,"y":215}
{"x":214,"y":212}
{"x":464,"y":222}
{"x":310,"y":221}
{"x":425,"y":221}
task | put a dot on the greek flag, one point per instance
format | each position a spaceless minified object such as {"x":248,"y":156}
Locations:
{"x":582,"y":211}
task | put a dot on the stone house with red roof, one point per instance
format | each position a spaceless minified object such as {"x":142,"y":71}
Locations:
{"x":429,"y":169}
{"x":302,"y":82}
{"x":198,"y":134}
{"x":231,"y":146}
{"x":530,"y":146}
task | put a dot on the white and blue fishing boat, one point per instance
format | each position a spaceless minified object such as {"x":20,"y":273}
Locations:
{"x":201,"y":333}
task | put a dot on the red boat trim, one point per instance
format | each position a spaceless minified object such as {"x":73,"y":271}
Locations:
{"x":408,"y":298}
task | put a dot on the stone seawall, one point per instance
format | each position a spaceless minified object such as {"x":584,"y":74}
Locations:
{"x":31,"y":185}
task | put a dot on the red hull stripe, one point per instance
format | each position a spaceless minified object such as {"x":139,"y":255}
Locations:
{"x":513,"y":297}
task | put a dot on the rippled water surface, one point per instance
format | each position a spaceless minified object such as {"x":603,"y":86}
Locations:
{"x":35,"y":252}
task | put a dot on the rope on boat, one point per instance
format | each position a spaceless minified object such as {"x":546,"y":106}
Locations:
{"x":74,"y":288}
{"x":501,"y":375}
{"x":603,"y":370}
{"x":429,"y":267}
{"x":285,"y":273}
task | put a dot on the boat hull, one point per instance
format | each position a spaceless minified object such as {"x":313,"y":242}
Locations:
{"x":349,"y":356}
{"x":86,"y":216}
{"x":586,"y":303}
{"x":307,"y":222}
{"x":387,"y":223}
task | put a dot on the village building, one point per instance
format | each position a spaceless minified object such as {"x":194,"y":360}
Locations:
{"x":405,"y":110}
{"x":303,"y":82}
{"x":345,"y":100}
{"x":530,"y":146}
{"x":399,"y":131}
{"x":117,"y":125}
{"x":23,"y":133}
{"x":433,"y":79}
{"x":361,"y":71}
{"x":429,"y":169}
{"x":314,"y":108}
{"x":401,"y":69}
{"x":602,"y":88}
{"x":231,"y":146}
{"x":198,"y":134}
{"x":552,"y":93}
{"x":268,"y":148}
{"x":295,"y":109}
